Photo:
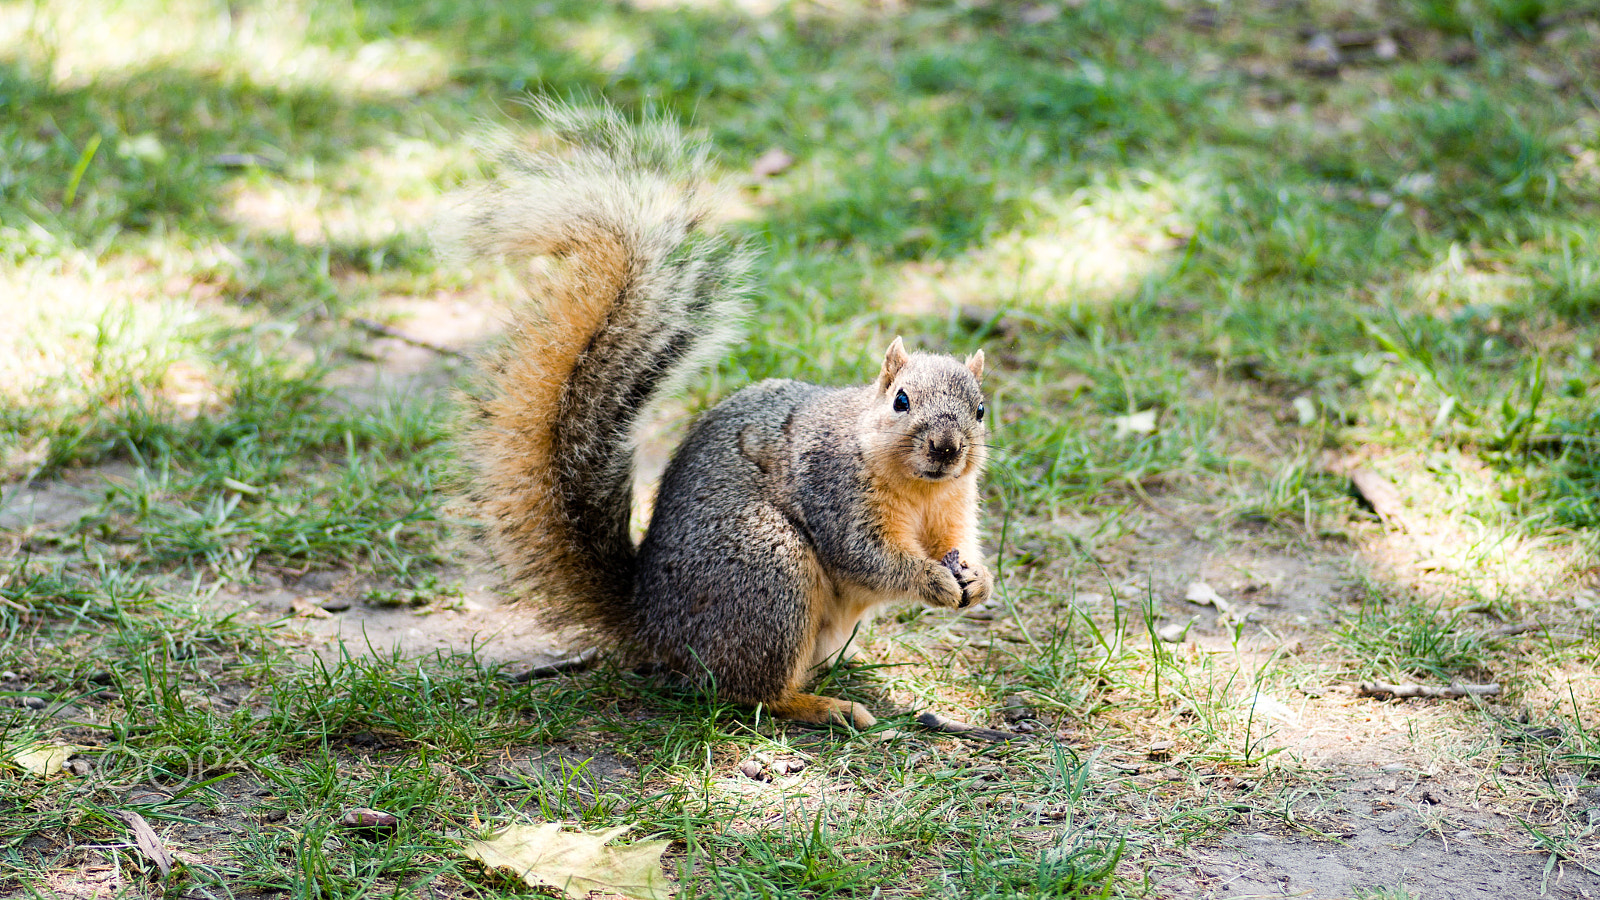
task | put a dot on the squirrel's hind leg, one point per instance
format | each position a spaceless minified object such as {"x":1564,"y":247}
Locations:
{"x":819,"y":710}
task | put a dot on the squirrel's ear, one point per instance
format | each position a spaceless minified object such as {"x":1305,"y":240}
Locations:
{"x":894,"y":359}
{"x":975,"y":365}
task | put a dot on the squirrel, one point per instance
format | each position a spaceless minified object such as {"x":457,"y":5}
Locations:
{"x":788,"y":512}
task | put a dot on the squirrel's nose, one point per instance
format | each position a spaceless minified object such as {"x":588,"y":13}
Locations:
{"x":944,"y":449}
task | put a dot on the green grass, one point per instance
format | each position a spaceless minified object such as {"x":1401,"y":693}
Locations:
{"x":1131,"y":212}
{"x":1415,"y":641}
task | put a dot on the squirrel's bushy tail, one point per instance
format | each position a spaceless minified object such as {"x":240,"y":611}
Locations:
{"x":632,"y":298}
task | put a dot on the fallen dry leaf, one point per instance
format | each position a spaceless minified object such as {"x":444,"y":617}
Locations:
{"x":44,"y":760}
{"x":1305,"y":410}
{"x":1228,"y":612}
{"x":576,"y":862}
{"x":1206,"y":595}
{"x":1273,"y":708}
{"x":150,"y":843}
{"x":305,"y":609}
{"x":1135,"y":423}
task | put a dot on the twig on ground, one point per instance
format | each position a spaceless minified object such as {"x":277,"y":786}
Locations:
{"x":381,"y":329}
{"x":946,"y":725}
{"x":1381,"y":494}
{"x":577,"y":662}
{"x":1381,"y":689}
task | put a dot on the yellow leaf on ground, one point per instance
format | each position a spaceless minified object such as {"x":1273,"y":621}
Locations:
{"x":1135,"y":423}
{"x":576,"y":862}
{"x":45,"y":759}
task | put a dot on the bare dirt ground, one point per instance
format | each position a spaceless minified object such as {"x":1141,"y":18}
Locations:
{"x":1377,"y":795}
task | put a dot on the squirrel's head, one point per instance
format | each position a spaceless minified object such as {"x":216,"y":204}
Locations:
{"x":926,"y":418}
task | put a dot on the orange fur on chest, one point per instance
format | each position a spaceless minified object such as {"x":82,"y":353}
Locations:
{"x":928,"y":521}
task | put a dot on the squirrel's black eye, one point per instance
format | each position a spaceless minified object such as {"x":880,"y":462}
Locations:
{"x":902,"y":403}
{"x":981,"y":411}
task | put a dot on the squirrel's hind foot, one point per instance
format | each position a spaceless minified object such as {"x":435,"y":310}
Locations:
{"x":819,"y":710}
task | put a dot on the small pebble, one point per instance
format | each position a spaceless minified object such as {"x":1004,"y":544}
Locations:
{"x":337,"y":604}
{"x":775,"y":161}
{"x":752,"y":769}
{"x":368,"y":819}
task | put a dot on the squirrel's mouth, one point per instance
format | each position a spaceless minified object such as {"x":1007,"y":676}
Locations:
{"x":940,"y":471}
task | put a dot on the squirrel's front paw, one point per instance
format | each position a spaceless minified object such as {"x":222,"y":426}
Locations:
{"x":942,"y":588}
{"x":977,"y":583}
